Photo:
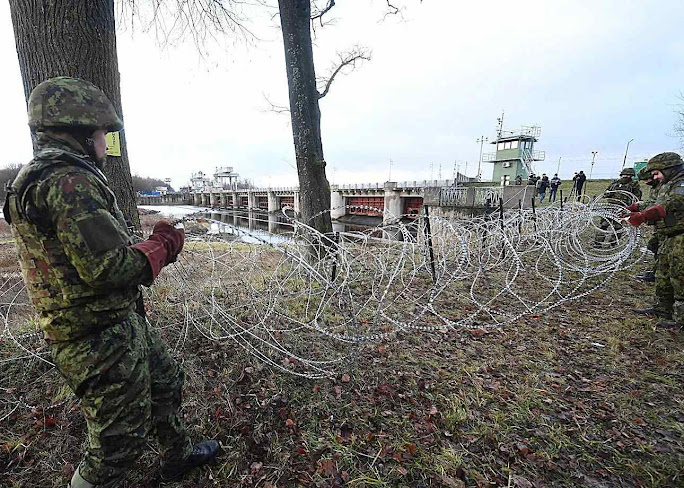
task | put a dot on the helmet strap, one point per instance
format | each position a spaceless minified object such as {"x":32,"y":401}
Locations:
{"x":84,"y":137}
{"x":89,"y":146}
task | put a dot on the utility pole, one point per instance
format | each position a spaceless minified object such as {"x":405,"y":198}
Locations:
{"x":593,"y":158}
{"x":432,"y":171}
{"x":624,"y":161}
{"x":390,"y":171}
{"x":481,"y":140}
{"x":558,"y":167}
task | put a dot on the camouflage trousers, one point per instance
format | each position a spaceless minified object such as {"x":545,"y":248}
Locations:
{"x":652,"y":245}
{"x":129,"y":387}
{"x":609,"y":234}
{"x":669,"y":285}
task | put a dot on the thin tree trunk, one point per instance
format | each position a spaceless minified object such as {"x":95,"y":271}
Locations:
{"x":314,"y":189}
{"x":75,"y":38}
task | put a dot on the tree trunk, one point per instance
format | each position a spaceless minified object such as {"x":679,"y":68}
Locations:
{"x":314,"y":189}
{"x":75,"y":38}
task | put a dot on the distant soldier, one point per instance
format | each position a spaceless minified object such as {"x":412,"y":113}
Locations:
{"x":82,"y":272}
{"x":518,"y":179}
{"x":668,"y":215}
{"x":532,"y":180}
{"x":624,"y":191}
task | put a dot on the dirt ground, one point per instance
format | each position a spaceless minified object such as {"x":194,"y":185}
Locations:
{"x":588,"y":395}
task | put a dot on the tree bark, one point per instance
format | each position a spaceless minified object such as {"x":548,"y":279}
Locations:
{"x":314,"y":188}
{"x":75,"y":38}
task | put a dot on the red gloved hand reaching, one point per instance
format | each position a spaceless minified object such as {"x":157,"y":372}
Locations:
{"x":162,"y":247}
{"x":633,"y":207}
{"x":657,"y":212}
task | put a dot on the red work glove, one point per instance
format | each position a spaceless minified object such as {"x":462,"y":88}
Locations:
{"x":162,"y":247}
{"x":657,"y":212}
{"x":633,"y":207}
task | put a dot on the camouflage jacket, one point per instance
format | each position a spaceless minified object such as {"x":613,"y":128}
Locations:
{"x":671,"y":196}
{"x":72,"y":241}
{"x":617,"y":187}
{"x":651,"y":198}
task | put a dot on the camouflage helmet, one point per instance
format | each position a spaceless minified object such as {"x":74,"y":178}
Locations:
{"x":65,"y":102}
{"x":643,"y":174}
{"x":663,"y":161}
{"x":628,"y":172}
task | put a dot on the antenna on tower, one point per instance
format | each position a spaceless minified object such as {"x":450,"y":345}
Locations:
{"x":499,"y":121}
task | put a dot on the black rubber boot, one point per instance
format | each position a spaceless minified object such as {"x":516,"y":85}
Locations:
{"x":652,"y":312}
{"x":648,"y":277}
{"x":202,"y":453}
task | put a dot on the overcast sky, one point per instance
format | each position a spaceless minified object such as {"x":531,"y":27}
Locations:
{"x":592,"y":74}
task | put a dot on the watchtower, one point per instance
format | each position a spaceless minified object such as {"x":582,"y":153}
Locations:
{"x":225,"y":178}
{"x":515,"y":154}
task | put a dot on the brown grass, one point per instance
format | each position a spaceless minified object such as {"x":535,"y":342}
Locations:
{"x":586,"y":395}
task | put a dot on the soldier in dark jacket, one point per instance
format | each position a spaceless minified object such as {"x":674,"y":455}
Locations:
{"x":83,"y":271}
{"x":668,"y":215}
{"x":579,"y":184}
{"x":555,"y":184}
{"x":543,"y":185}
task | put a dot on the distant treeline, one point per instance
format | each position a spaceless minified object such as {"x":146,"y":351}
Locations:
{"x":140,"y":183}
{"x":7,"y":174}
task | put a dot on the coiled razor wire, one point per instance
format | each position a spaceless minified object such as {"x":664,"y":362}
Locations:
{"x":308,"y":303}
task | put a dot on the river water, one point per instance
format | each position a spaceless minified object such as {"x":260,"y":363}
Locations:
{"x":252,"y":227}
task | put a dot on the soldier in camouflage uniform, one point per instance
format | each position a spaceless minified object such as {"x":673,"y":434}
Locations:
{"x":652,"y":244}
{"x":621,"y":192}
{"x":668,"y":215}
{"x":83,"y":272}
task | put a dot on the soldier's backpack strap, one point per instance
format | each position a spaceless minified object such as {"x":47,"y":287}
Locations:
{"x":34,"y":176}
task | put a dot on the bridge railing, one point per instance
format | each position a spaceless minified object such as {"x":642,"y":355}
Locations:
{"x":453,"y":197}
{"x":429,"y":183}
{"x":482,"y":194}
{"x":361,"y":186}
{"x":469,"y":196}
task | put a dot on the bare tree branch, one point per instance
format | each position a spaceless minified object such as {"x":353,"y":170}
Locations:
{"x":393,"y":10}
{"x":319,"y":14}
{"x":679,"y":123}
{"x":349,"y":59}
{"x":278,"y":109}
{"x":202,"y":21}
